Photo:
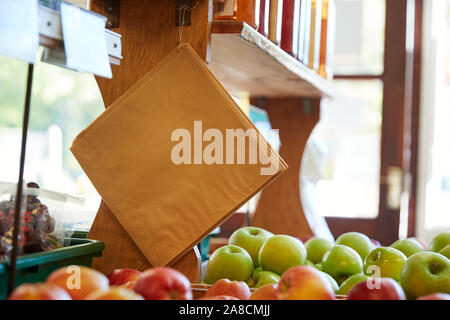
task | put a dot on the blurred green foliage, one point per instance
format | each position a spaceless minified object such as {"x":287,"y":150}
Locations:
{"x":66,"y":98}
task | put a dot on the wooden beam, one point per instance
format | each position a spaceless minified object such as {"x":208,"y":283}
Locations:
{"x":149,"y":33}
{"x":280,"y":208}
{"x":394,"y":95}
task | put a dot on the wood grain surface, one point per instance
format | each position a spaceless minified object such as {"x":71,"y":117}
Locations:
{"x":245,"y":61}
{"x":148,"y":33}
{"x":280,"y":208}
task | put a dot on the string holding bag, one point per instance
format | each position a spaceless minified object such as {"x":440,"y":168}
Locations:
{"x":183,"y":8}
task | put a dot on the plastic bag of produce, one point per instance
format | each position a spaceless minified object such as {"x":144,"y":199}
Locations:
{"x":42,"y":219}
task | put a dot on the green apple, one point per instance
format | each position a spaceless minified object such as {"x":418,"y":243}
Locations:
{"x":262,"y":278}
{"x":358,"y":242}
{"x":267,"y":277}
{"x":229,"y":262}
{"x":318,"y":266}
{"x":446,"y":251}
{"x":408,"y":246}
{"x":440,"y":241}
{"x":316,"y":248}
{"x":348,"y":284}
{"x":309,"y":263}
{"x":251,"y":281}
{"x":280,"y":252}
{"x":389,"y":260}
{"x":341,"y":262}
{"x":425,"y":273}
{"x":332,"y":281}
{"x":251,"y":239}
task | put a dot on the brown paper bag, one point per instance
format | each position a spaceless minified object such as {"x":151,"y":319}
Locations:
{"x":128,"y":153}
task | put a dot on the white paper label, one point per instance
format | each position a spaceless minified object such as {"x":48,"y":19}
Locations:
{"x":84,"y":41}
{"x":19,"y":35}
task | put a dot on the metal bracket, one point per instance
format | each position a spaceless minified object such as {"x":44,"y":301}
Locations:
{"x":307,"y":106}
{"x":111,"y":12}
{"x":183,"y":12}
{"x":51,"y":36}
{"x":258,"y":102}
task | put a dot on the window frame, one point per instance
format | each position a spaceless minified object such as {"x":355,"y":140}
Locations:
{"x":400,"y":124}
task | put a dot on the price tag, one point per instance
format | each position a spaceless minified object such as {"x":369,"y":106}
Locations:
{"x":84,"y":41}
{"x":19,"y":34}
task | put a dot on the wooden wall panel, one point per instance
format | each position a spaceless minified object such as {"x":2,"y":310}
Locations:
{"x":280,"y":207}
{"x":148,"y":33}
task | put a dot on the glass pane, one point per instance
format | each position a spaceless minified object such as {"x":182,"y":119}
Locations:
{"x":434,"y":157}
{"x":359,"y":45}
{"x":341,"y":164}
{"x":63,"y":103}
{"x":80,"y":3}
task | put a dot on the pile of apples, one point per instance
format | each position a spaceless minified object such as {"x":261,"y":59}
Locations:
{"x":355,"y":267}
{"x":83,"y":283}
{"x":258,"y":265}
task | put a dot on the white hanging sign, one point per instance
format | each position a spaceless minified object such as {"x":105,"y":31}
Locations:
{"x":84,"y":41}
{"x":19,"y":35}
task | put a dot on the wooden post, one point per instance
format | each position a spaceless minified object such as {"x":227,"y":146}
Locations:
{"x":280,"y":208}
{"x":149,"y":32}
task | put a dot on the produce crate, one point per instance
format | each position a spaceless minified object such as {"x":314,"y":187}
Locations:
{"x":80,"y":234}
{"x":36,"y":267}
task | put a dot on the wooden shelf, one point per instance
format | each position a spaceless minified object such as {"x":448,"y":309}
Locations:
{"x":244,"y":60}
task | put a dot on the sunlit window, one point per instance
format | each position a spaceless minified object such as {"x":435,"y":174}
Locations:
{"x":63,"y":103}
{"x":359,"y":37}
{"x":341,"y":164}
{"x":434,"y":152}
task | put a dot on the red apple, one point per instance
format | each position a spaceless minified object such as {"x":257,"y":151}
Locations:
{"x":163,"y":283}
{"x":225,"y":287}
{"x":386,"y":289}
{"x":119,"y":277}
{"x":304,"y":283}
{"x":436,"y":296}
{"x":265,"y":292}
{"x":78,"y":281}
{"x":422,"y":242}
{"x":219,"y":298}
{"x":114,"y":293}
{"x":39,"y":291}
{"x":129,"y":285}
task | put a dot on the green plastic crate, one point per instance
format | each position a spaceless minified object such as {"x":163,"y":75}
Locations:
{"x":79,"y":234}
{"x":36,"y":267}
